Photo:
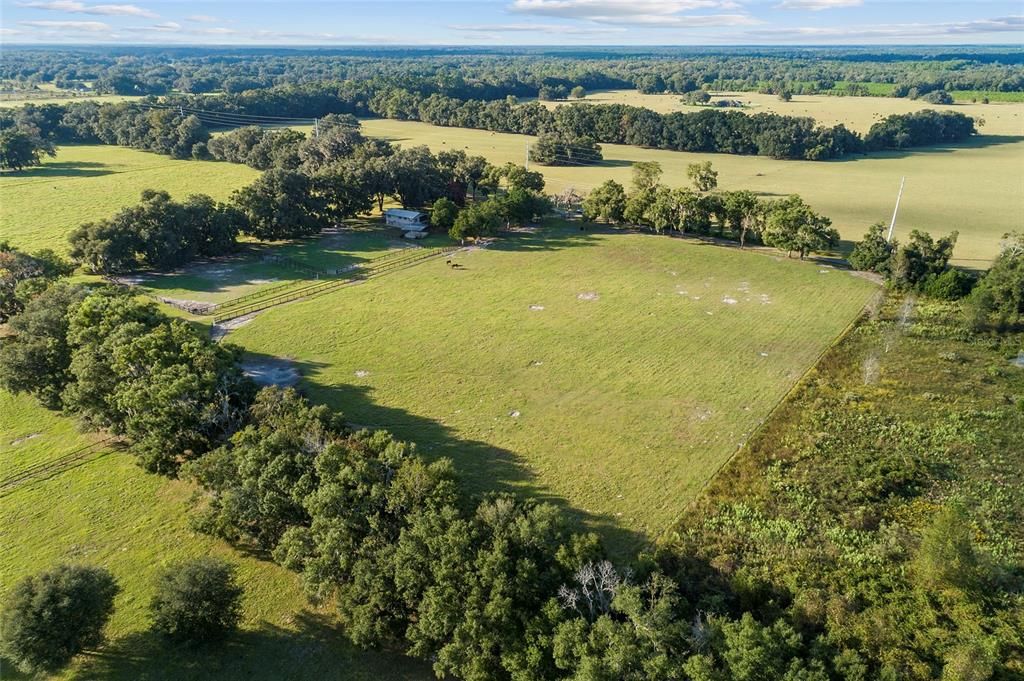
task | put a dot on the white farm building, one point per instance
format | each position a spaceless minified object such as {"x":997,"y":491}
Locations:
{"x":412,"y":222}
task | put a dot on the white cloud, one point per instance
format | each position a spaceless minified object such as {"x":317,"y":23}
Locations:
{"x":818,"y":5}
{"x":645,"y":13}
{"x":219,"y":30}
{"x":586,"y":9}
{"x":78,"y":26}
{"x":202,"y":19}
{"x":10,"y":31}
{"x":1010,"y":24}
{"x":165,"y":27}
{"x":538,"y":28}
{"x":75,"y":7}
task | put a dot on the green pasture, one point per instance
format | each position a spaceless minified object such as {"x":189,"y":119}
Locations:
{"x":975,"y":187}
{"x":108,"y":512}
{"x":42,"y":205}
{"x":611,"y":373}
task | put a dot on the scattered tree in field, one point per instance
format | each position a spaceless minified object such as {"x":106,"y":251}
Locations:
{"x":874,"y":252}
{"x":703,"y":176}
{"x":477,"y":220}
{"x":197,"y":601}
{"x":51,"y":617}
{"x":646,"y":175}
{"x":606,"y":202}
{"x":793,"y":226}
{"x":696,"y":97}
{"x":21,"y":149}
{"x":443,"y":214}
{"x":578,"y":92}
{"x":559,"y":149}
{"x":786,"y":96}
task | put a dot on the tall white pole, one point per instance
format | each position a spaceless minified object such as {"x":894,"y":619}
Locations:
{"x":527,"y":156}
{"x":892,"y":224}
{"x":316,"y":128}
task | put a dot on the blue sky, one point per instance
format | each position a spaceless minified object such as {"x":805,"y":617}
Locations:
{"x":513,"y":22}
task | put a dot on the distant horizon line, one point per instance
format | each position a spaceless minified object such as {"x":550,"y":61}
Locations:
{"x":1016,"y":45}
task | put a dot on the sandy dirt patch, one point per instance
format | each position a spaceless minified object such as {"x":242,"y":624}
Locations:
{"x":274,"y":371}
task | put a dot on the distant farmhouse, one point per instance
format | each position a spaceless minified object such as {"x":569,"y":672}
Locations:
{"x":412,"y":222}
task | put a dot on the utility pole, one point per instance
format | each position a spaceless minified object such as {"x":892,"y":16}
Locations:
{"x":316,"y":128}
{"x":527,"y":156}
{"x":892,"y":225}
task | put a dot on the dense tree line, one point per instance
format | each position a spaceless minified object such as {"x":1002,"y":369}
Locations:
{"x":489,"y":73}
{"x":788,"y":224}
{"x":177,"y":125}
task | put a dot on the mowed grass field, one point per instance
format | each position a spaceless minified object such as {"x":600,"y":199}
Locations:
{"x":976,"y":188}
{"x":610,"y":373}
{"x":108,"y":512}
{"x":42,"y":205}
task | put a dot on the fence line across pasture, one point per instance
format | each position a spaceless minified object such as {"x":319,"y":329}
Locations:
{"x":48,"y":469}
{"x":374,"y":269}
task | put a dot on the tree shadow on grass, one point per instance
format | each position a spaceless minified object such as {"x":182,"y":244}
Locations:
{"x":311,"y":647}
{"x":975,"y":142}
{"x":552,"y":236}
{"x":62,"y":169}
{"x":481,"y":466}
{"x":328,"y":254}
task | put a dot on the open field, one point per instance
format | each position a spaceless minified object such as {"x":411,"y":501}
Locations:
{"x":976,"y":188}
{"x":108,"y":512}
{"x":52,"y":97}
{"x":610,"y":373}
{"x":856,"y":113}
{"x":42,"y":205}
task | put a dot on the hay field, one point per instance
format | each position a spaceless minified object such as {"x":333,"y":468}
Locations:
{"x":109,"y":512}
{"x":976,"y":188}
{"x":42,"y":205}
{"x":610,"y":373}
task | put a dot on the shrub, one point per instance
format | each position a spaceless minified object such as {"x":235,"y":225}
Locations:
{"x":952,"y":284}
{"x":197,"y":601}
{"x":51,"y":617}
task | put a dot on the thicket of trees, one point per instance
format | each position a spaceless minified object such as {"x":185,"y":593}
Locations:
{"x":158,"y":233}
{"x":921,"y":264}
{"x":22,"y":275}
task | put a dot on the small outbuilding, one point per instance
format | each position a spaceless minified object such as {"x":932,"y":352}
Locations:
{"x":406,"y":220}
